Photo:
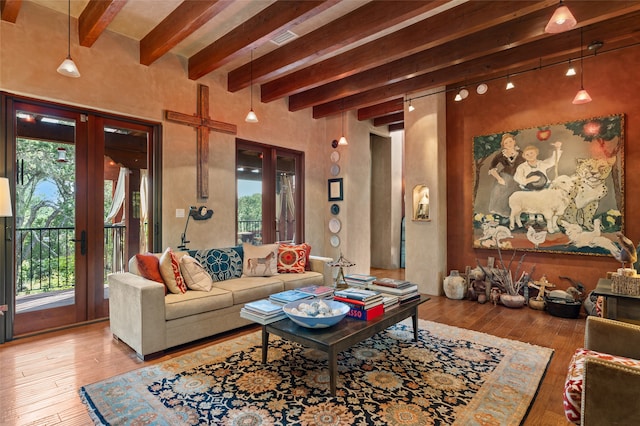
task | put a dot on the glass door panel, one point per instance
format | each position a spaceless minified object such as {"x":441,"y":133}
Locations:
{"x":285,"y":198}
{"x":49,"y":249}
{"x":249,"y":172}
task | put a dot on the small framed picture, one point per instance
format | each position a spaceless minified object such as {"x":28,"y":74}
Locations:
{"x":335,"y":189}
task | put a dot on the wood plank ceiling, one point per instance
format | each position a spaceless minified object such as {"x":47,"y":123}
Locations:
{"x":369,"y":56}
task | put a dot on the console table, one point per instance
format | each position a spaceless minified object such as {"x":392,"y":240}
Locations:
{"x":617,"y":306}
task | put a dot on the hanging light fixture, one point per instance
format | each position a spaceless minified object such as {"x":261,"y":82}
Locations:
{"x":68,"y":67}
{"x":582,"y":97}
{"x":561,"y":20}
{"x":571,"y":71}
{"x":343,"y":140}
{"x":251,"y":116}
{"x":509,"y":85}
{"x":411,"y":107}
{"x":62,"y":155}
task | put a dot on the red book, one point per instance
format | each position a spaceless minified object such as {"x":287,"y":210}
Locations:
{"x":366,"y":314}
{"x":357,"y":303}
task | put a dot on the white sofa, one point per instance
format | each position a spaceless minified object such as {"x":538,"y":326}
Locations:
{"x":149,"y":322}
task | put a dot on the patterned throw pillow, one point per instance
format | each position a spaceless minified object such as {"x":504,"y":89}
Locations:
{"x":572,"y":395}
{"x":221,"y":263}
{"x":292,"y":258}
{"x":170,"y":271}
{"x":196,"y":277}
{"x":260,"y":261}
{"x":149,"y":268}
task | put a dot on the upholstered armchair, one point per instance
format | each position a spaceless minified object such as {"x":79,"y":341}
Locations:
{"x":603,"y":381}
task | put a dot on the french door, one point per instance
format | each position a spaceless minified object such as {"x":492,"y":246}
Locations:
{"x":82,"y":191}
{"x":270,"y":193}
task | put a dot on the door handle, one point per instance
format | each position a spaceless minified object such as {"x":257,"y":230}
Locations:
{"x":82,"y":241}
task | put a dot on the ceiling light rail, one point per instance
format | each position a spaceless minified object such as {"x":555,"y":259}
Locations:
{"x":594,"y":46}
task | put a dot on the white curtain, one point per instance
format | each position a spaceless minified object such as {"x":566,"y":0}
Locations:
{"x":144,"y":209}
{"x":118,"y":196}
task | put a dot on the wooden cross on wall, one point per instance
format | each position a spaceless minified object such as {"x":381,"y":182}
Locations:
{"x":202,"y":124}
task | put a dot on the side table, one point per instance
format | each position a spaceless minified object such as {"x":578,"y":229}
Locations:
{"x":621,"y":307}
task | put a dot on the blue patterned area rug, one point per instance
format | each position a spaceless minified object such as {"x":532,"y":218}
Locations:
{"x":450,"y":376}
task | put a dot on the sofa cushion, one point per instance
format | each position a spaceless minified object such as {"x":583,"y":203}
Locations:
{"x":221,"y":263}
{"x":292,"y":258}
{"x":572,"y":395}
{"x":251,"y":288}
{"x":196,"y":277}
{"x":293,"y":281}
{"x":260,"y":261}
{"x":148,"y":266}
{"x":196,"y":302}
{"x":170,"y":271}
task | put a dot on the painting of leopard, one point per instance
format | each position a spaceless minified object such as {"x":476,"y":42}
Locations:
{"x":589,"y":188}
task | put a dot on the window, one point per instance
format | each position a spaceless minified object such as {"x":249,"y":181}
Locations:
{"x":269,"y":193}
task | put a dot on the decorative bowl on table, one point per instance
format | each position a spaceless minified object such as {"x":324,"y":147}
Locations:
{"x":316,"y":313}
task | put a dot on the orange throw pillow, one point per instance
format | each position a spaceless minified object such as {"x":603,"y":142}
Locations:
{"x":149,"y":268}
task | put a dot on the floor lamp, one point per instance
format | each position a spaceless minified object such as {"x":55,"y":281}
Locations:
{"x":5,"y":211}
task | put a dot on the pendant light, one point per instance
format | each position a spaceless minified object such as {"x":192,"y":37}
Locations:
{"x":571,"y":71}
{"x":561,"y":20}
{"x":343,"y":140}
{"x":68,"y":67}
{"x":251,"y":116}
{"x":582,"y":97}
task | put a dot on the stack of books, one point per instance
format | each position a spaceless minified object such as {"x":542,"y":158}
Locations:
{"x":288,"y":296}
{"x":262,"y":311}
{"x":404,"y":290}
{"x":390,"y":301}
{"x":320,"y":291}
{"x":365,"y":304}
{"x":358,"y":280}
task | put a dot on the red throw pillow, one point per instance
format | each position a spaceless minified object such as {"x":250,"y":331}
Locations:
{"x":291,"y":258}
{"x":307,"y":246}
{"x":149,"y":268}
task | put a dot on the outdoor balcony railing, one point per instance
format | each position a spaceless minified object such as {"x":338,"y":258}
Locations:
{"x":45,"y":257}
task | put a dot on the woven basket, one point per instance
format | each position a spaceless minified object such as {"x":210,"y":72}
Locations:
{"x":629,"y":286}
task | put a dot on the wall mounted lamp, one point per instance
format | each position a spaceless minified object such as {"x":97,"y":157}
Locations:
{"x":198,"y":213}
{"x":68,"y":67}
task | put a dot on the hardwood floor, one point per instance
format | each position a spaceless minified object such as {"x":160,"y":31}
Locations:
{"x":40,"y":375}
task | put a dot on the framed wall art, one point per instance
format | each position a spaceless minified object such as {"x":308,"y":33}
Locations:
{"x":551,"y":188}
{"x":335,"y":189}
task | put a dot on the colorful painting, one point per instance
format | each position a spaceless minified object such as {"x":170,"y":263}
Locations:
{"x":552,"y":188}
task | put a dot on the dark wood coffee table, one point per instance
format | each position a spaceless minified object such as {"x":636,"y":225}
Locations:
{"x":341,"y":336}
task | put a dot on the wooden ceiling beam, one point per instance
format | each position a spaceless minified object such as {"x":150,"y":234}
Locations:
{"x":177,"y":26}
{"x":363,"y":22}
{"x":378,"y":110}
{"x":476,"y":70}
{"x":444,"y":27}
{"x":95,"y":18}
{"x":395,"y":118}
{"x":396,"y":127}
{"x":277,"y":17}
{"x":9,"y":10}
{"x":486,"y":42}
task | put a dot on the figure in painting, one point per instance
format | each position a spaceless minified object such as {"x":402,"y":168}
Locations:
{"x":502,"y":168}
{"x":532,"y":173}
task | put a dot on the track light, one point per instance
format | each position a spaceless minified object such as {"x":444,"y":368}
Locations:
{"x":509,"y":85}
{"x":571,"y":71}
{"x":561,"y":20}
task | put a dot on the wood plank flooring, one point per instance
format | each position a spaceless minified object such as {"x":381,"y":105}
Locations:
{"x":40,"y":375}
